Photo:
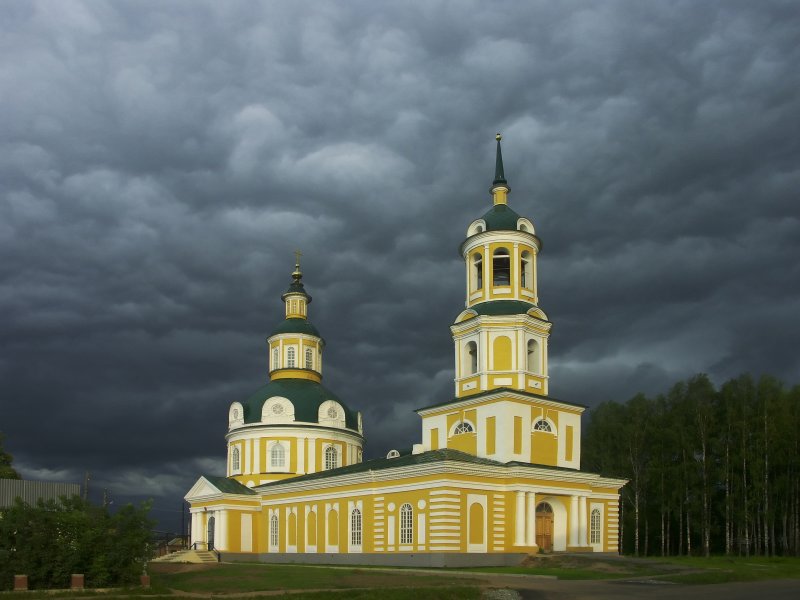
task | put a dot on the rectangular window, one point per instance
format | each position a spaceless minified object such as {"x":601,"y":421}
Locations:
{"x":517,"y":435}
{"x":490,"y":435}
{"x":568,"y":441}
{"x":435,"y":439}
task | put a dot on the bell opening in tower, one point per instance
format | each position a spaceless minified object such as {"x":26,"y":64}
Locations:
{"x":501,"y":267}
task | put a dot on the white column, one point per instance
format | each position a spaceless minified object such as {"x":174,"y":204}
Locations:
{"x":530,"y":531}
{"x":573,"y":521}
{"x":486,"y":271}
{"x":583,"y":539}
{"x":301,"y":455}
{"x":519,"y":520}
{"x":195,"y":528}
{"x":257,"y":456}
{"x":221,"y":533}
{"x":516,"y":275}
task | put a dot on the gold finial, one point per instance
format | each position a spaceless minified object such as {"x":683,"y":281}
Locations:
{"x":498,"y":137}
{"x":297,"y":273}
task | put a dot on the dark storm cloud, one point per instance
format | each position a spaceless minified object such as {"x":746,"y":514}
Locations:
{"x":161,"y":161}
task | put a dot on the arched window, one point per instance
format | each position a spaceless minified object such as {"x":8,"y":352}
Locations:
{"x":276,"y":356}
{"x":533,"y":356}
{"x":273,"y":531}
{"x":277,"y":456}
{"x":470,"y":358}
{"x":406,"y":524}
{"x":309,"y":358}
{"x":331,"y":458}
{"x":463,"y":427}
{"x":526,"y":270}
{"x":523,"y":227}
{"x":355,"y":527}
{"x":290,"y":358}
{"x":542,"y":425}
{"x":476,"y":277}
{"x":235,"y":462}
{"x":594,"y":528}
{"x":501,"y":267}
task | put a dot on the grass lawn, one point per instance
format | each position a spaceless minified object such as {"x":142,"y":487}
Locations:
{"x":722,"y":569}
{"x":233,"y":578}
{"x":689,"y":570}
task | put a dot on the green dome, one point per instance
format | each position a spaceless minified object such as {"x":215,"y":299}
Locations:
{"x":295,"y":325}
{"x":306,"y":396}
{"x":500,"y":217}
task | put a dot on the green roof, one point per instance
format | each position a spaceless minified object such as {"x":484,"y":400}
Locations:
{"x":228,"y":486}
{"x":379,"y":464}
{"x":500,"y":217}
{"x":503,"y":307}
{"x":501,"y":390}
{"x":295,"y":325}
{"x":306,"y":396}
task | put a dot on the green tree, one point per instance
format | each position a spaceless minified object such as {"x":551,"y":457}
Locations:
{"x":52,"y":540}
{"x":6,"y":470}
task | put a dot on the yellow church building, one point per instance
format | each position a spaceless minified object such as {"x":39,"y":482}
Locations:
{"x":496,"y":474}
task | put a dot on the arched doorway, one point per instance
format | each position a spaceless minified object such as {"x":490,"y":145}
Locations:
{"x":544,"y":526}
{"x":210,"y":538}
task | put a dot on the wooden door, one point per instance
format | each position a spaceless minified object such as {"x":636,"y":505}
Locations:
{"x":544,"y":527}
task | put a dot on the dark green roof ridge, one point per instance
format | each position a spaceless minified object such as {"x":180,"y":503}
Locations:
{"x":503,"y":307}
{"x":295,"y":325}
{"x":379,"y":464}
{"x":228,"y":486}
{"x":500,"y":218}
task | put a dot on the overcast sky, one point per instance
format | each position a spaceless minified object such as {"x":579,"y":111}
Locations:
{"x":161,"y":161}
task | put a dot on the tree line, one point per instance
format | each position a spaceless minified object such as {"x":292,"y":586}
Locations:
{"x":711,"y":470}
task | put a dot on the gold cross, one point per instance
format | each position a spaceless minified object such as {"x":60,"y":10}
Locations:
{"x":297,"y":255}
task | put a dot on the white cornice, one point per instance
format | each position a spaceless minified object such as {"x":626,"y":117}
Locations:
{"x":499,"y":395}
{"x":505,"y":321}
{"x":499,"y":235}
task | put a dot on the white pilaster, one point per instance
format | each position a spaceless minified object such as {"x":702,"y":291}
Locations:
{"x":301,"y":455}
{"x":516,"y":275}
{"x":573,"y":520}
{"x":519,"y":520}
{"x":530,"y":530}
{"x":257,"y":456}
{"x":312,"y":454}
{"x":583,"y":538}
{"x":221,"y":533}
{"x":486,"y":271}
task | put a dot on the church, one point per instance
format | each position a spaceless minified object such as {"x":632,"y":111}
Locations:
{"x":495,"y":475}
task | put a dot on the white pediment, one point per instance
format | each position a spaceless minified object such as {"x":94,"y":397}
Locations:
{"x":203,"y":488}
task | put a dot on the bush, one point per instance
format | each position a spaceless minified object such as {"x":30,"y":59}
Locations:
{"x":50,"y":541}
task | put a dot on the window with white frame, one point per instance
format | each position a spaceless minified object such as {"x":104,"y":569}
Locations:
{"x":277,"y":456}
{"x":355,"y":527}
{"x":477,"y":272}
{"x":273,"y":531}
{"x":526,"y":270}
{"x":501,"y":267}
{"x":331,"y":458}
{"x":406,"y":524}
{"x":470,"y":358}
{"x":309,"y":358}
{"x":463,"y":427}
{"x":542,"y":425}
{"x":594,"y":528}
{"x":291,"y":359}
{"x":235,"y":462}
{"x":276,"y":358}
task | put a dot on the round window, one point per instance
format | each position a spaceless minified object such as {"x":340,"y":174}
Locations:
{"x":332,"y":412}
{"x":277,"y":409}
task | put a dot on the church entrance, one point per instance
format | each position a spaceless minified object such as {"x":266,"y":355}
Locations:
{"x":544,"y":527}
{"x":210,"y":538}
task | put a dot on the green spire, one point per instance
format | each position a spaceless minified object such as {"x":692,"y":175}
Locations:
{"x":499,"y":175}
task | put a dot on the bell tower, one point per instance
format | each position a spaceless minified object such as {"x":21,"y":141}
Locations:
{"x":501,"y":337}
